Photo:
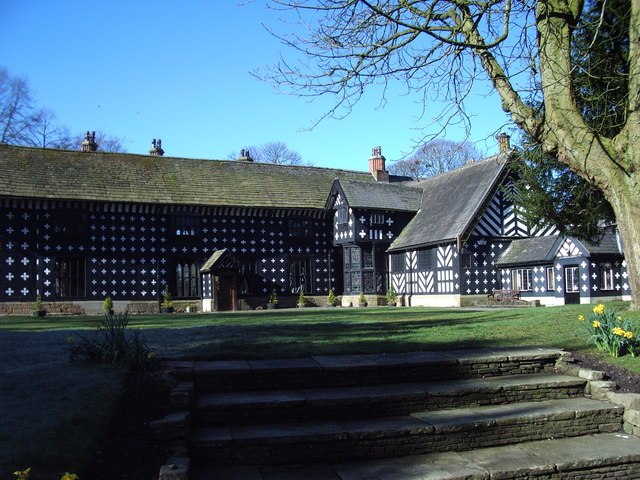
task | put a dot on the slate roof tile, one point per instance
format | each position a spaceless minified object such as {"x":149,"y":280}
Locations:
{"x":381,"y":196}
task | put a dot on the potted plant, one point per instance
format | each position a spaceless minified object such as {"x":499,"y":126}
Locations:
{"x":38,"y":310}
{"x":302,"y":302}
{"x":273,"y":300}
{"x":362,"y":301}
{"x":107,"y":306}
{"x":392,"y":297}
{"x":167,"y":303}
{"x":331,"y":299}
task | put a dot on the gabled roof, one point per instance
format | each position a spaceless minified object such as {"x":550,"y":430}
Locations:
{"x":530,"y":250}
{"x":377,"y":196}
{"x":538,"y":250}
{"x":101,"y":176}
{"x":451,"y":203}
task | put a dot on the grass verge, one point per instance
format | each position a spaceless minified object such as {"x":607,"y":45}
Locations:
{"x":54,"y":411}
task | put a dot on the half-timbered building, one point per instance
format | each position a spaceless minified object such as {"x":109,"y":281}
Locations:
{"x":79,"y":226}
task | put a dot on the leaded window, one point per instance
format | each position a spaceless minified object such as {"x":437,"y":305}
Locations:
{"x":343,"y":215}
{"x":571,"y":279}
{"x":70,"y":278}
{"x":300,"y":278}
{"x":424,"y":260}
{"x":551,"y":279}
{"x":397,"y":262}
{"x":521,"y":279}
{"x":185,"y":225}
{"x":187,"y":279}
{"x":606,"y":276}
{"x":300,"y":228}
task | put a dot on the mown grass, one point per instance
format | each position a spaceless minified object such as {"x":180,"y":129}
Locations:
{"x":54,"y":411}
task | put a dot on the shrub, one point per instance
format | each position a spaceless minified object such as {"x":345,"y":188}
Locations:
{"x":610,"y":333}
{"x":107,"y":305}
{"x":391,"y":296}
{"x":301,"y":299}
{"x":331,"y":298}
{"x":362,"y":300}
{"x":112,"y":344}
{"x":167,"y":298}
{"x":273,"y":297}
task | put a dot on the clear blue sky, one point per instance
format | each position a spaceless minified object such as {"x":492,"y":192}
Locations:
{"x":180,"y":71}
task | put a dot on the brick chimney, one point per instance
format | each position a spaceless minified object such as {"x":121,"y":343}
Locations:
{"x":156,"y":148}
{"x":89,"y":143}
{"x":504,"y":142}
{"x":377,"y":165}
{"x":245,"y":156}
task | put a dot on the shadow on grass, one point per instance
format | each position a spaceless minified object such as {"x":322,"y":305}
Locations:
{"x":316,"y":335}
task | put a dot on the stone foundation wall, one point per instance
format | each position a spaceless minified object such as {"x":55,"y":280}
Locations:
{"x":52,"y":308}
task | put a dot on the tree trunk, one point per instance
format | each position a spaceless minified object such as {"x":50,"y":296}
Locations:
{"x":624,"y":197}
{"x":609,"y":163}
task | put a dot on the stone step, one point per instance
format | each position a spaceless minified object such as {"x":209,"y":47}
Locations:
{"x":600,"y":456}
{"x":242,"y":408}
{"x":459,"y":429}
{"x":345,"y":370}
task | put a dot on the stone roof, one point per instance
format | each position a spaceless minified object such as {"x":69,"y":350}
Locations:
{"x":530,"y":250}
{"x":544,"y":249}
{"x":116,"y":177}
{"x":379,"y":196}
{"x":451,"y":203}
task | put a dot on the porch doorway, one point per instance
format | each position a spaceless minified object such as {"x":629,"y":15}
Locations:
{"x":227,"y":291}
{"x":571,"y":284}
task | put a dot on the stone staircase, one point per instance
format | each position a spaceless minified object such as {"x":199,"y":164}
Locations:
{"x":509,"y":414}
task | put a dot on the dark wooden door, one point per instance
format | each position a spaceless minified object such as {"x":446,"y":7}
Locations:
{"x":227,"y":292}
{"x":571,"y":284}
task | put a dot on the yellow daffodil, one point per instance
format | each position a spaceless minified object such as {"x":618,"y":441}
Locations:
{"x":69,"y":476}
{"x":619,"y":318}
{"x":581,"y":318}
{"x":628,"y":335}
{"x":23,"y":474}
{"x":595,"y":324}
{"x":598,"y":309}
{"x":618,"y":331}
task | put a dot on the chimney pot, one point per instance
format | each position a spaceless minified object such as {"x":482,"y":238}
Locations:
{"x":504,"y":142}
{"x":89,"y":143}
{"x":377,"y":165}
{"x":156,"y":148}
{"x":245,"y":156}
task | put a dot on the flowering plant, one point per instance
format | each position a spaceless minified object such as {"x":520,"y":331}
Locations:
{"x":610,"y":333}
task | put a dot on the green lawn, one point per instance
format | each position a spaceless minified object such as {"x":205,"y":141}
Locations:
{"x":54,"y":410}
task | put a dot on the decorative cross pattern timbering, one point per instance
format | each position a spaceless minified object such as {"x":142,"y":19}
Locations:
{"x":131,"y":251}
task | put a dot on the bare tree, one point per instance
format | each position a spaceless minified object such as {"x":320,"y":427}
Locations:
{"x":272,"y":152}
{"x":15,"y":107}
{"x":21,"y":123}
{"x":434,"y":158}
{"x":42,"y":130}
{"x":440,"y":48}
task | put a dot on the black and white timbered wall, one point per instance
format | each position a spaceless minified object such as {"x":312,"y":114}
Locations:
{"x":89,"y":250}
